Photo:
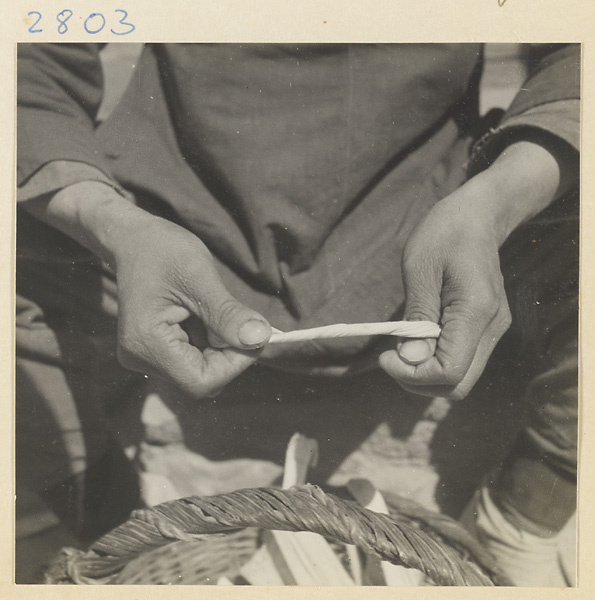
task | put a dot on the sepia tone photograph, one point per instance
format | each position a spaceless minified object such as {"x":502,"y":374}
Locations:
{"x":297,"y":314}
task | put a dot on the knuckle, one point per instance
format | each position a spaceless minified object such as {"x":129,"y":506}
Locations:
{"x":458,"y":394}
{"x":126,"y":357}
{"x":410,"y":264}
{"x":420,"y":309}
{"x":453,"y":375}
{"x":131,"y":347}
{"x":207,"y":387}
{"x":506,"y":318}
{"x":486,"y":302}
{"x":126,"y":345}
{"x":195,"y":389}
{"x":418,"y":269}
{"x":227,"y":310}
{"x":502,"y":327}
{"x":502,"y":322}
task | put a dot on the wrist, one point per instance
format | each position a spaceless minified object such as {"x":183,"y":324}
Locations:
{"x":94,"y":214}
{"x":523,"y":181}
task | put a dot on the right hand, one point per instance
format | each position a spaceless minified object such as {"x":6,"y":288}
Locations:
{"x":176,"y":320}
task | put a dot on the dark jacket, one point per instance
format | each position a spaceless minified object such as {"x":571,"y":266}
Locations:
{"x":302,"y":168}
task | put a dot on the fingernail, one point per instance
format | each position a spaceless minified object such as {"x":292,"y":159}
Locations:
{"x":414,"y":352}
{"x":253,"y":333}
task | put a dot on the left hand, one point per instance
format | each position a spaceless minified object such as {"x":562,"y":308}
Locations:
{"x":451,"y":269}
{"x":451,"y":273}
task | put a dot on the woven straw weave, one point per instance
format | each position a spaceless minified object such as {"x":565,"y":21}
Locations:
{"x":196,"y":540}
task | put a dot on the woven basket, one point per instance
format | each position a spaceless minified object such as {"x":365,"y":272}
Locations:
{"x":197,"y":540}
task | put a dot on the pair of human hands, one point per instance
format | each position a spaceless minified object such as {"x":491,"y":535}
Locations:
{"x":176,"y":320}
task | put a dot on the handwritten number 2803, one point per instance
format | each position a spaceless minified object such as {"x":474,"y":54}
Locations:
{"x":93,"y":24}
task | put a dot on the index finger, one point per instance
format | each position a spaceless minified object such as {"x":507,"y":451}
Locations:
{"x":462,"y":331}
{"x":197,"y":373}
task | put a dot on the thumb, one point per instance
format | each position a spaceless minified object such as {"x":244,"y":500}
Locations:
{"x":229,"y":323}
{"x":239,"y":328}
{"x":422,"y":303}
{"x":416,"y":351}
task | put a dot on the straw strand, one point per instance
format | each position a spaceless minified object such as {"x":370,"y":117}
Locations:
{"x":409,"y":329}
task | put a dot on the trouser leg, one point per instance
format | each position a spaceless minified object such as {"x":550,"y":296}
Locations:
{"x":67,"y":376}
{"x":536,"y":488}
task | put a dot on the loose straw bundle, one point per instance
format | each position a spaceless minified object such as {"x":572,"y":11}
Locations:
{"x":408,"y":329}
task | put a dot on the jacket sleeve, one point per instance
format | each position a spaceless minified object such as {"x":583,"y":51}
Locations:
{"x":59,"y":91}
{"x":546,"y":108}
